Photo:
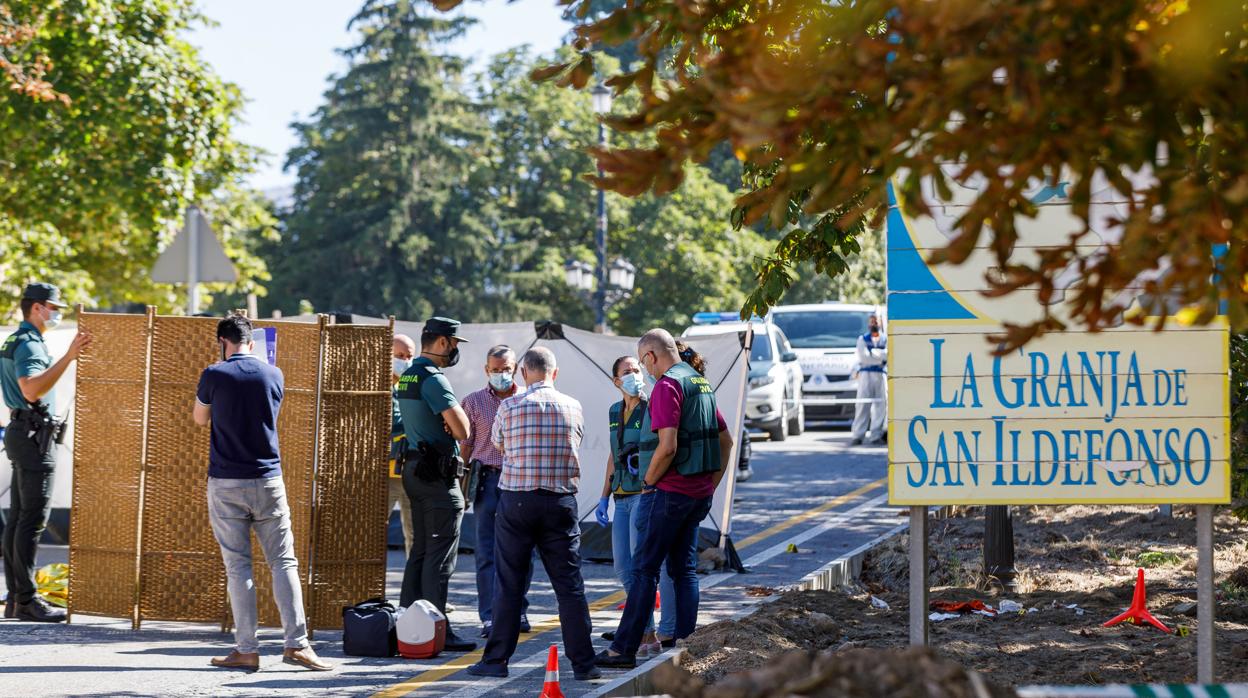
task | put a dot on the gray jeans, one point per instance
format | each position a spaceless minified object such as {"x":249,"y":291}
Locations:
{"x":235,"y":507}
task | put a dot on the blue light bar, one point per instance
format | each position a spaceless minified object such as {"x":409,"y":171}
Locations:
{"x":712,"y":318}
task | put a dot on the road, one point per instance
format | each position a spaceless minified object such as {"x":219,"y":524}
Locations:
{"x":814,"y":489}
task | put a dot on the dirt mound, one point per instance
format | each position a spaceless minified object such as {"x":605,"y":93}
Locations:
{"x":911,"y":673}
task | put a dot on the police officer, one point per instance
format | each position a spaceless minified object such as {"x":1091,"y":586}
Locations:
{"x":27,"y":377}
{"x":434,"y":423}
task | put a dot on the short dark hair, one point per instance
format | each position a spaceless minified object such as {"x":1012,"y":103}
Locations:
{"x":27,"y":306}
{"x":615,"y":367}
{"x":234,"y":329}
{"x":691,"y":356}
{"x":427,"y":339}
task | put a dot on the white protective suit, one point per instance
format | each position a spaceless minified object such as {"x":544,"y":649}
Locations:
{"x":872,"y":357}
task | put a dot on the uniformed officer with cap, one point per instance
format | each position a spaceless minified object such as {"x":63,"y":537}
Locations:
{"x":434,"y":423}
{"x":27,"y":377}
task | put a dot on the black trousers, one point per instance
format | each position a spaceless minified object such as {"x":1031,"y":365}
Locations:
{"x":547,"y":521}
{"x":437,"y":511}
{"x":30,"y":499}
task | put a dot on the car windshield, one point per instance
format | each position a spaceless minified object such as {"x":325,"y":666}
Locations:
{"x":761,"y":350}
{"x":818,"y":329}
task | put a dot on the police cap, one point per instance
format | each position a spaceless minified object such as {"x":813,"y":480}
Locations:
{"x":44,"y":293}
{"x":443,"y":327}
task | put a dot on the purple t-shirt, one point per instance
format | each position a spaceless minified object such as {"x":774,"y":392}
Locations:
{"x":665,"y":402}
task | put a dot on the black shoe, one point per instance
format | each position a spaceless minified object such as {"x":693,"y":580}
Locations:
{"x":497,"y":671}
{"x":455,"y":643}
{"x":606,"y":660}
{"x":855,"y":441}
{"x":609,"y":635}
{"x":524,"y":623}
{"x":588,"y":675}
{"x":486,"y":627}
{"x":10,"y":608}
{"x":878,"y":441}
{"x":39,"y":611}
{"x":668,"y":644}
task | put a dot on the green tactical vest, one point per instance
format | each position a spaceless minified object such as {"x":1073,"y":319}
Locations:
{"x":697,"y":437}
{"x":622,"y":481}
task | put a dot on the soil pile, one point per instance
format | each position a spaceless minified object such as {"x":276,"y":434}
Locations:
{"x":911,"y":673}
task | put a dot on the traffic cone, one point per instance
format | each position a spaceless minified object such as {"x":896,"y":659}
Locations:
{"x":1138,"y":611}
{"x":656,"y":600}
{"x":550,"y":689}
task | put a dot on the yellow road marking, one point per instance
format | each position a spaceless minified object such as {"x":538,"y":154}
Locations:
{"x":466,"y":660}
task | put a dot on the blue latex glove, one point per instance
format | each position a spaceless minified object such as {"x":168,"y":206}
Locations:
{"x":601,"y":512}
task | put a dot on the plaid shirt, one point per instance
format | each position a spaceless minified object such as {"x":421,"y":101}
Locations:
{"x":482,"y":408}
{"x":539,"y":432}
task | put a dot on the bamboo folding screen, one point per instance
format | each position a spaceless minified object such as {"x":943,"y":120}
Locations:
{"x":141,"y":546}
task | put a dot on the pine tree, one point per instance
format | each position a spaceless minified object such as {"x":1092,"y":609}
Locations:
{"x":383,"y":219}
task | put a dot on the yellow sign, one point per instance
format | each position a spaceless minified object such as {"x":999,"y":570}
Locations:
{"x":1127,"y":415}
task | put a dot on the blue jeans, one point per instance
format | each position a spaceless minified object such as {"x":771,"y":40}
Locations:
{"x":624,"y":538}
{"x":668,"y":530}
{"x":546,"y":521}
{"x":485,"y":510}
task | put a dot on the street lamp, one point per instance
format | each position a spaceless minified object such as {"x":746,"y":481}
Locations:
{"x":614,"y":283}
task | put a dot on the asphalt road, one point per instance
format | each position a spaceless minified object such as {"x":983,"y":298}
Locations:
{"x":815,"y":490}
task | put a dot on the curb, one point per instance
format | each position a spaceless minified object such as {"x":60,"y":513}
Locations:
{"x":1237,"y":690}
{"x":838,"y":573}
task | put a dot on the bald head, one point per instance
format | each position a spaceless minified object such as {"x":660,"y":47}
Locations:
{"x":404,"y":347}
{"x":657,"y":352}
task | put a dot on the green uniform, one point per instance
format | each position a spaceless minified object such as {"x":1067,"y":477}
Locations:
{"x":423,"y":395}
{"x":22,"y":355}
{"x":622,"y":435}
{"x":697,"y":439}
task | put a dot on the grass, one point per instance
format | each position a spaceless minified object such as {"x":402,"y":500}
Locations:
{"x":1153,"y":558}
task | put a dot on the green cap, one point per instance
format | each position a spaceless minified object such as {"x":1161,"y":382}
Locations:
{"x":44,"y":293}
{"x":443,"y":327}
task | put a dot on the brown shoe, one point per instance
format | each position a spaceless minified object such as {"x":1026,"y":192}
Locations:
{"x":306,"y":658}
{"x":238,"y":660}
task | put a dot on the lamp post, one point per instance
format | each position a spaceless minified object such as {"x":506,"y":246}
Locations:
{"x":602,"y":105}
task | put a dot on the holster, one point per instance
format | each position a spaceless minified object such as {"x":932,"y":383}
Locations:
{"x":45,"y":429}
{"x":430,"y":465}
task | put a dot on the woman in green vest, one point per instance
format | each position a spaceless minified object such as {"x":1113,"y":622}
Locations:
{"x":629,"y":417}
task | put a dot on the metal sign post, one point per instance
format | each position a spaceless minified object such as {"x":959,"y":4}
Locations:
{"x":195,"y":256}
{"x":918,"y":576}
{"x":1205,"y":599}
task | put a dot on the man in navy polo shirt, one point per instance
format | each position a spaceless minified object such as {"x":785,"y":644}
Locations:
{"x":240,"y":397}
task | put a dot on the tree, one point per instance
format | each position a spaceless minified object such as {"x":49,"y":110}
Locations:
{"x":110,"y":126}
{"x":826,"y":103}
{"x":383,"y":219}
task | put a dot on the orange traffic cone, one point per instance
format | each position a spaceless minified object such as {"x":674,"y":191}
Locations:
{"x":551,"y":689}
{"x":656,"y":600}
{"x":1138,"y":612}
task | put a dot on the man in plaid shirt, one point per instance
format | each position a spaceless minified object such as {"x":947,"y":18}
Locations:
{"x":539,"y":433}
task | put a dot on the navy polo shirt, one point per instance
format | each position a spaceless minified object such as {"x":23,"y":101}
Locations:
{"x":245,"y":394}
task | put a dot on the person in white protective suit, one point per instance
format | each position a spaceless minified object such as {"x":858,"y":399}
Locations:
{"x":872,"y":406}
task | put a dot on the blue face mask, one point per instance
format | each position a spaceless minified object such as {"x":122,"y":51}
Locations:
{"x":632,"y":383}
{"x":501,"y":382}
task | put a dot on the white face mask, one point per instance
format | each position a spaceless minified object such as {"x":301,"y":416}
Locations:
{"x":400,"y":366}
{"x":54,"y":319}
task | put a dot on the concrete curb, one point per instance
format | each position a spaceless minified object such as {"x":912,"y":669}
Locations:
{"x":1238,"y":690}
{"x":845,"y":569}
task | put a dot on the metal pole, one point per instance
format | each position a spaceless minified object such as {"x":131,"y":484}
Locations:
{"x":192,"y":260}
{"x":1204,"y":594}
{"x":999,"y":546}
{"x":600,"y":240}
{"x":918,"y":576}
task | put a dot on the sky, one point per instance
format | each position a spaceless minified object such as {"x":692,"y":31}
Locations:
{"x":281,"y":53}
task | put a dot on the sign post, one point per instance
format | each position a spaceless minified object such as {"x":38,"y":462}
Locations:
{"x":1125,"y":415}
{"x":195,"y":256}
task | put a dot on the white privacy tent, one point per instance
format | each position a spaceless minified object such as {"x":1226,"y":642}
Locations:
{"x":585,"y":360}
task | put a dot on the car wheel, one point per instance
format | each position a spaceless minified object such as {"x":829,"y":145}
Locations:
{"x":797,"y":423}
{"x":780,"y":432}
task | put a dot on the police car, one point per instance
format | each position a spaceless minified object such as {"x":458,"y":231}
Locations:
{"x":824,"y":337}
{"x":773,"y":402}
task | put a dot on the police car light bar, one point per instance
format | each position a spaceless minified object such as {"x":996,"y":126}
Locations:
{"x":710,"y":318}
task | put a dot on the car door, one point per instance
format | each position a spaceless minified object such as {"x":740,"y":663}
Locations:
{"x":793,"y":368}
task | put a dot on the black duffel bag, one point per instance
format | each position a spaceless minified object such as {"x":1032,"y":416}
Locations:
{"x":368,"y":629}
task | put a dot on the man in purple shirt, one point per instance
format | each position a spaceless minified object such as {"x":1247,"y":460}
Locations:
{"x":682,"y":458}
{"x":487,"y":460}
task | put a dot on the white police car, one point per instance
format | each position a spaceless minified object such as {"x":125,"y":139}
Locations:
{"x":773,"y":402}
{"x":824,"y":337}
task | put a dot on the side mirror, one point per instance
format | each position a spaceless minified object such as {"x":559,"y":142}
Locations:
{"x":788,"y":356}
